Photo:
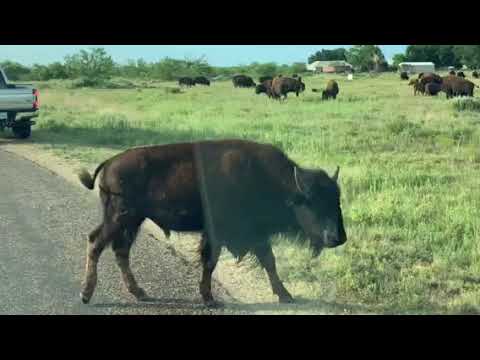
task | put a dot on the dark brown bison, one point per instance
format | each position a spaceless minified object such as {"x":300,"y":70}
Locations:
{"x":456,"y":86}
{"x":404,"y":75}
{"x":243,"y":81}
{"x":430,"y":77}
{"x":452,"y":72}
{"x":281,"y":86}
{"x":186,"y":81}
{"x":475,"y":74}
{"x":432,"y":88}
{"x":417,"y":86}
{"x":265,"y":78}
{"x":461,"y":74}
{"x":236,"y":193}
{"x":202,"y":80}
{"x":295,"y":76}
{"x":264,"y":88}
{"x":331,"y":91}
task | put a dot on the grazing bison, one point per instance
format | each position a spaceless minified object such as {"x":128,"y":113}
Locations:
{"x":202,"y":80}
{"x":281,"y":86}
{"x":295,"y":76}
{"x":404,"y":75}
{"x":452,"y":72}
{"x":456,"y":86}
{"x":430,"y":77}
{"x":461,"y":74}
{"x":264,"y":88}
{"x":331,"y":91}
{"x":432,"y":89}
{"x":236,"y":193}
{"x":265,"y":78}
{"x":475,"y":74}
{"x":243,"y":81}
{"x":417,"y":86}
{"x":186,"y":81}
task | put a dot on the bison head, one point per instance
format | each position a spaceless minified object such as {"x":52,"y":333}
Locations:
{"x":316,"y":205}
{"x":301,"y":85}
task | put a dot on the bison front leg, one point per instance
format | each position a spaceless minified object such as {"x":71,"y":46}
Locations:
{"x":209,"y":254}
{"x":266,"y":258}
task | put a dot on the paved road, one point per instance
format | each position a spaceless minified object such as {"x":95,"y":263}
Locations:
{"x":44,"y":221}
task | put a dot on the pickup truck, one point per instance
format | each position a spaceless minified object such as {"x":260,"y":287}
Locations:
{"x":18,"y":106}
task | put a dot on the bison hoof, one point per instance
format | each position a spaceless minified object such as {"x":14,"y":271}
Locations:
{"x":286,"y":299}
{"x":212,"y":304}
{"x":141,"y":295}
{"x":85,"y":298}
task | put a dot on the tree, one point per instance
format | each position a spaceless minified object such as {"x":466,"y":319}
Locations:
{"x":94,"y":65}
{"x":328,"y":55}
{"x":469,"y":55}
{"x":15,"y":71}
{"x":398,"y":59}
{"x":367,"y":58}
{"x":298,"y":68}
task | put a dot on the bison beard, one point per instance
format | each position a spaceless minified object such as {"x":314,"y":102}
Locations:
{"x":236,"y":193}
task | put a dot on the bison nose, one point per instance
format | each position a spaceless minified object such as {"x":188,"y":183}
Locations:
{"x":330,"y":239}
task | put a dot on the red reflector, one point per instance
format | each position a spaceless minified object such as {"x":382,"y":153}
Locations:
{"x":36,"y":102}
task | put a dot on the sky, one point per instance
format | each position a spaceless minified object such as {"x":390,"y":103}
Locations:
{"x":216,"y":55}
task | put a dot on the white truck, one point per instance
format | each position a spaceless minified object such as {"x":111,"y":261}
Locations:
{"x":18,"y":106}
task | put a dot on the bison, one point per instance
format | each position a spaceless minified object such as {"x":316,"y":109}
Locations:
{"x":430,"y":77}
{"x":264,"y":88}
{"x":202,"y":80}
{"x":265,"y":78}
{"x":331,"y":91}
{"x":417,"y":86}
{"x":404,"y":75}
{"x":452,"y":72}
{"x":475,"y":74}
{"x":186,"y":81}
{"x":461,"y":74}
{"x":281,"y":86}
{"x":243,"y":81}
{"x":432,"y":89}
{"x":236,"y":193}
{"x":456,"y":86}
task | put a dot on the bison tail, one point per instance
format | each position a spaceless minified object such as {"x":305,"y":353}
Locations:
{"x":86,"y":179}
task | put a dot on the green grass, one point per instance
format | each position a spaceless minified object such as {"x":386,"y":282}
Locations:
{"x":410,"y":170}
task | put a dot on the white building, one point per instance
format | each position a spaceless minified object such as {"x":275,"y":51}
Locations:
{"x":416,"y":67}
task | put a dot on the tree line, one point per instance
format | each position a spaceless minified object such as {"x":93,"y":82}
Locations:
{"x":95,"y":65}
{"x":371,"y":57}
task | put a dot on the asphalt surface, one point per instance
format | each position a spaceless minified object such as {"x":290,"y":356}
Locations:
{"x":44,"y":223}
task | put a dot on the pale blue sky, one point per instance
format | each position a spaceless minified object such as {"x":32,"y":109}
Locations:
{"x":217,"y":55}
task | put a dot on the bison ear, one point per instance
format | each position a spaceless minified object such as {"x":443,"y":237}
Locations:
{"x":303,"y":180}
{"x":335,"y":175}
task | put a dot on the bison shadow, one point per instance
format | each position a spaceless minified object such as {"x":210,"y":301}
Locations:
{"x":114,"y":138}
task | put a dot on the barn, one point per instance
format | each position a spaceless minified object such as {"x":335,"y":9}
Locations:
{"x":416,"y":67}
{"x":339,"y":66}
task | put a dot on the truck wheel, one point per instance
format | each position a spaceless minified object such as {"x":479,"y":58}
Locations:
{"x":22,"y":132}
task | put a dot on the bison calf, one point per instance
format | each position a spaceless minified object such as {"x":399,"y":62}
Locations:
{"x":236,"y":193}
{"x":331,"y":91}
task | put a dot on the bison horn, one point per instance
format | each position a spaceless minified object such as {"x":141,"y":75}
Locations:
{"x":335,"y":176}
{"x":296,"y":179}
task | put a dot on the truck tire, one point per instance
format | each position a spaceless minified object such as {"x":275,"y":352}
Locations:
{"x":22,"y":131}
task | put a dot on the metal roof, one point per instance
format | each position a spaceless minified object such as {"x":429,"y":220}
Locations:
{"x":329,"y":63}
{"x":417,"y":63}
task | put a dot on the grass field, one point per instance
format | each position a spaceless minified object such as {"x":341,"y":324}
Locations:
{"x":410,"y":170}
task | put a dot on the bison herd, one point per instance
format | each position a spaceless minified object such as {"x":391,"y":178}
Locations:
{"x":454,"y":84}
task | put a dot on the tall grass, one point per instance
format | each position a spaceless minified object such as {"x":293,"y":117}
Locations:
{"x":409,"y":174}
